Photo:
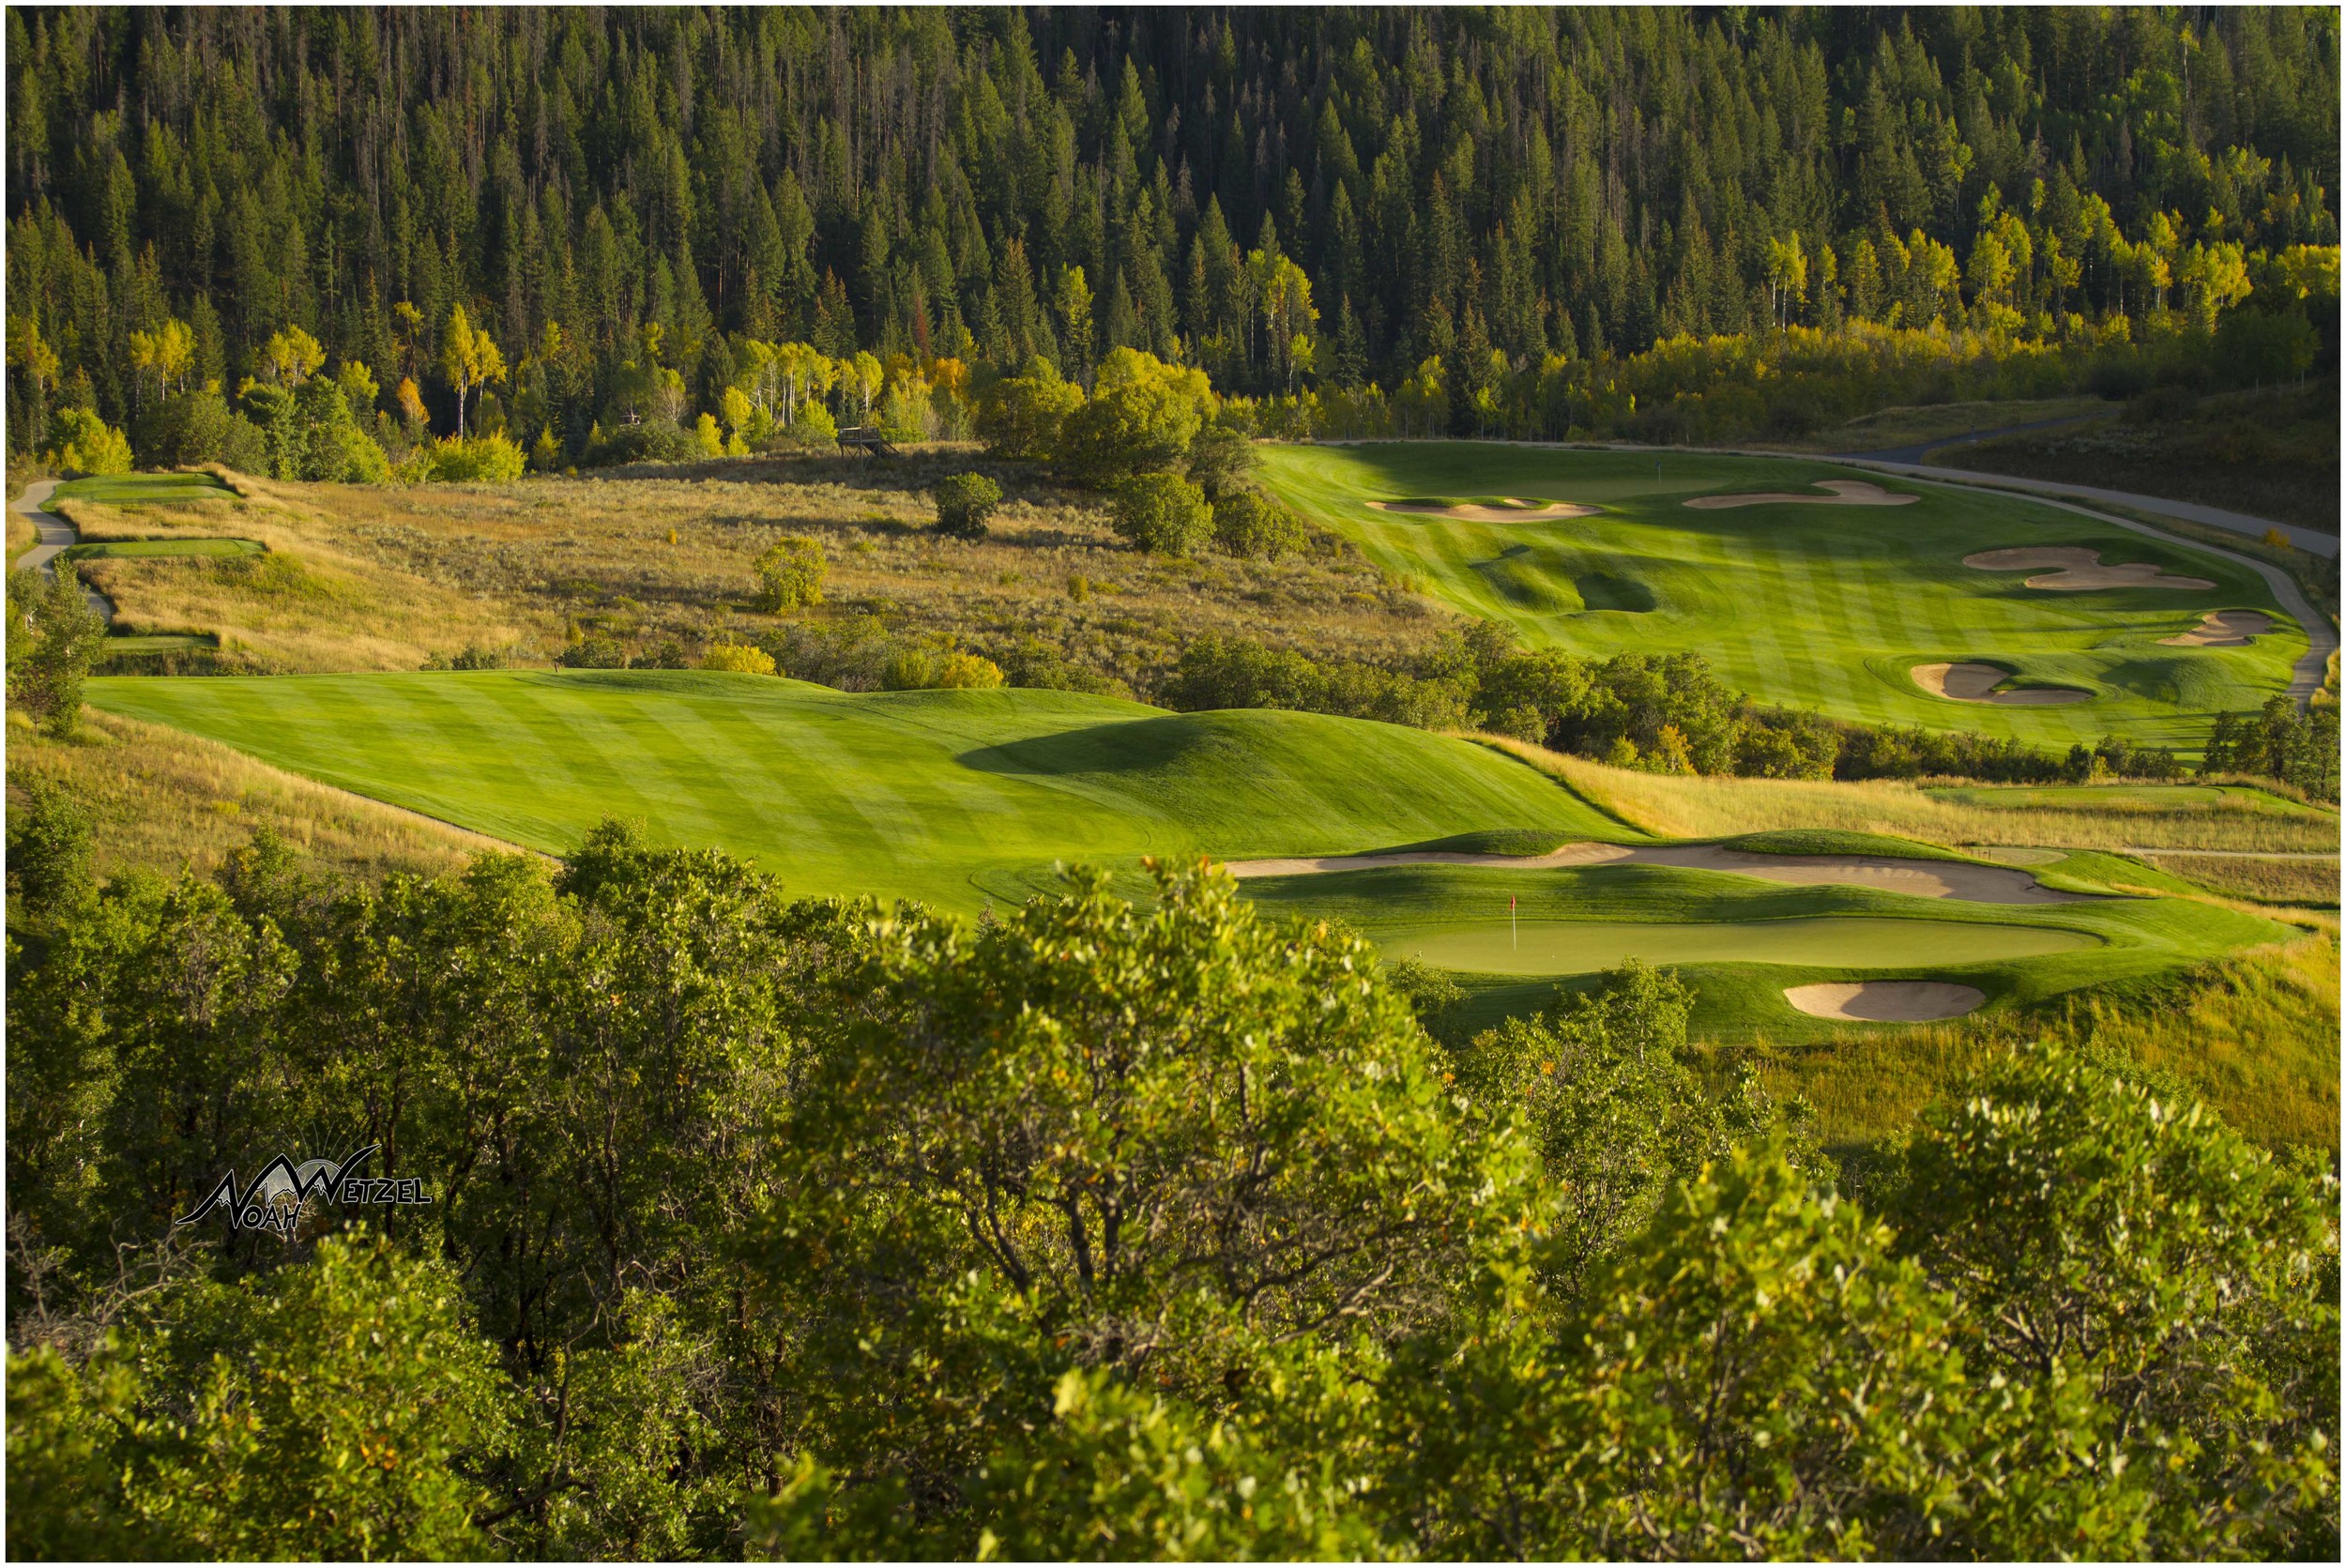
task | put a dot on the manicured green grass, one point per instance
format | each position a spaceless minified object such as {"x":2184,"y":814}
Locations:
{"x":951,"y":796}
{"x":134,"y":548}
{"x":1822,"y":606}
{"x":2124,"y":941}
{"x":124,"y":489}
{"x":1583,"y":947}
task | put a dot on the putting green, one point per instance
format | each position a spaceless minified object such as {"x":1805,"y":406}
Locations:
{"x":1822,"y":606}
{"x":951,"y":796}
{"x":135,"y":548}
{"x":121,"y":490}
{"x":1581,"y":947}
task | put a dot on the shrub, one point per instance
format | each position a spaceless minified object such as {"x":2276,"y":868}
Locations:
{"x":1252,"y":525}
{"x":88,"y":444}
{"x":653,"y":441}
{"x":476,"y":459}
{"x":741,"y":658}
{"x":1162,"y":512}
{"x":934,"y":667}
{"x":964,"y":503}
{"x":1019,"y":415}
{"x":790,"y":574}
{"x":600,"y":652}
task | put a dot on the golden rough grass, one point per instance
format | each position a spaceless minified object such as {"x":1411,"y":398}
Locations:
{"x":2266,"y":881}
{"x":163,"y":801}
{"x":2255,"y":1034}
{"x":319,"y":600}
{"x":1687,"y":806}
{"x":395,"y":573}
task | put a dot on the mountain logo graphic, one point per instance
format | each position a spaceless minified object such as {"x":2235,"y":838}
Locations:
{"x":278,"y":1196}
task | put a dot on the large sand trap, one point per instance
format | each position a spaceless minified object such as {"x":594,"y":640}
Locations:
{"x":1885,"y":1001}
{"x":1846,"y":493}
{"x":1516,"y":512}
{"x":2067,"y":569}
{"x":1921,"y":878}
{"x":2223,"y":629}
{"x":1978,"y":683}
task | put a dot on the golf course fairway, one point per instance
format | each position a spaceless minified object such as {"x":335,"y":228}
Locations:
{"x":1805,"y":601}
{"x":956,"y":797}
{"x":1582,"y":947}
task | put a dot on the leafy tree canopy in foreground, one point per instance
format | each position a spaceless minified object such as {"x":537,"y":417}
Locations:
{"x":822,"y":1228}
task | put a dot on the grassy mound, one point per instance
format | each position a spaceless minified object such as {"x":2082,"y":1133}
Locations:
{"x":1826,"y":606}
{"x":951,"y":797}
{"x":1836,"y":841}
{"x":1492,"y":841}
{"x":126,"y":490}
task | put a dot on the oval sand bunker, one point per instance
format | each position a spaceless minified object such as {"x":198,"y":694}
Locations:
{"x":1845,"y":493}
{"x":2223,"y":629}
{"x":1978,"y":683}
{"x":1885,"y":1001}
{"x":1518,"y":511}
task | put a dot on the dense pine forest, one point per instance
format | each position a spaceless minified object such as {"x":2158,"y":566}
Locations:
{"x":557,"y":224}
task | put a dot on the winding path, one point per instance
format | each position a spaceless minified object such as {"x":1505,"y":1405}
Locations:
{"x":56,"y":536}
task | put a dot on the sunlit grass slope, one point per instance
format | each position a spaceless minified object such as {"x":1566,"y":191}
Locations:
{"x":1826,"y":606}
{"x":951,"y":796}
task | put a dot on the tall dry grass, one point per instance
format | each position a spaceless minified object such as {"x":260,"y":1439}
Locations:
{"x":1689,"y":806}
{"x":669,"y":554}
{"x":163,"y":800}
{"x":2255,"y":1035}
{"x":319,"y":600}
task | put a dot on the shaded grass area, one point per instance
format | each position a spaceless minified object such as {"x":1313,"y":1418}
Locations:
{"x":135,"y":548}
{"x":163,"y":800}
{"x":951,"y":797}
{"x":2171,"y":816}
{"x":2270,"y":454}
{"x":2256,"y":1033}
{"x":1906,"y":426}
{"x":1818,"y":605}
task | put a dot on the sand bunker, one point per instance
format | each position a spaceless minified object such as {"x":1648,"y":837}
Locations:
{"x":1513,"y":511}
{"x":2067,"y":569}
{"x":1921,"y":878}
{"x":2224,"y":629}
{"x":1885,"y":1001}
{"x":1846,"y":493}
{"x":1978,"y":683}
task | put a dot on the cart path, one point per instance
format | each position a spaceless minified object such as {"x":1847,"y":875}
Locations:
{"x":56,"y":536}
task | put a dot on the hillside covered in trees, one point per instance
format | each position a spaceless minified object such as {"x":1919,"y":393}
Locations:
{"x":559,"y":224}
